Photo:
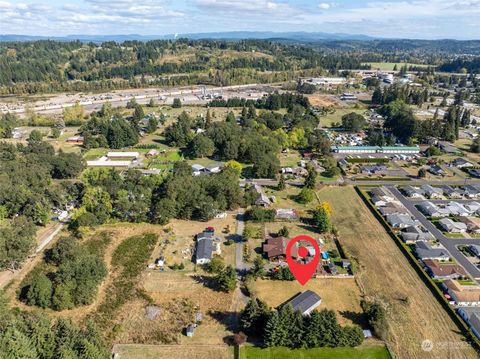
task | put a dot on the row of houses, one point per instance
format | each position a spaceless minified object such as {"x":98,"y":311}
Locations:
{"x":376,"y":149}
{"x":448,"y":209}
{"x":470,"y":191}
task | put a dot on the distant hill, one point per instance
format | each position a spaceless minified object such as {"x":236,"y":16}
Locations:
{"x":233,"y":35}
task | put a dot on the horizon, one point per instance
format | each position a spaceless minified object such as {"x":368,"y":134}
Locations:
{"x":394,"y":19}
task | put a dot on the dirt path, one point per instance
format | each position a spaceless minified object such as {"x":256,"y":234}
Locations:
{"x":44,"y":239}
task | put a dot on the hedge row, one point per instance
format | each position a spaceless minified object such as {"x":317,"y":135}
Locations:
{"x":423,"y":275}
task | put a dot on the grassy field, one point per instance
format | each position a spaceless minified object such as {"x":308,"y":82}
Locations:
{"x":330,"y":119}
{"x":339,"y":294}
{"x":134,"y":351}
{"x":388,"y":66}
{"x":373,"y":352}
{"x":414,"y":314}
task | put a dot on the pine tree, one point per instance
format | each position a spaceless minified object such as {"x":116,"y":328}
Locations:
{"x":281,"y":183}
{"x":311,"y":179}
{"x":272,"y":331}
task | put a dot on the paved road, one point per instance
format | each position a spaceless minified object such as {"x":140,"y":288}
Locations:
{"x":413,"y":182}
{"x":449,"y":243}
{"x":241,"y":266}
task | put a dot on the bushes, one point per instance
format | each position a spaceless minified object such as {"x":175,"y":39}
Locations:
{"x":259,"y":214}
{"x":129,"y":259}
{"x":70,"y":281}
{"x":306,"y":196}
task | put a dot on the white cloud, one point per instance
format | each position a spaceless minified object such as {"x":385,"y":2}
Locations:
{"x":326,"y":5}
{"x":253,"y":7}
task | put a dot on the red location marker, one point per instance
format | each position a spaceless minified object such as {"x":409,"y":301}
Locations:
{"x":303,"y":271}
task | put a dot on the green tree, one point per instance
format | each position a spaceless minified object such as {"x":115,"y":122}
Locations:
{"x":202,"y":146}
{"x":353,"y":122}
{"x":176,"y":103}
{"x":40,"y":292}
{"x":138,"y":114}
{"x":281,"y":183}
{"x":236,"y":166}
{"x":306,"y":196}
{"x":254,"y":317}
{"x":216,"y":265}
{"x":422,"y":173}
{"x":311,"y":179}
{"x":227,"y":279}
{"x":55,"y":132}
{"x":321,"y":219}
{"x":35,"y":136}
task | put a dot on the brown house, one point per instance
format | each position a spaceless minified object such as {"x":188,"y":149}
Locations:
{"x":275,"y":248}
{"x":444,"y":271}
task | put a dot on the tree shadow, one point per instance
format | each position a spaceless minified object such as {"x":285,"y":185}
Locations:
{"x":207,"y":282}
{"x":227,"y":319}
{"x":357,"y":318}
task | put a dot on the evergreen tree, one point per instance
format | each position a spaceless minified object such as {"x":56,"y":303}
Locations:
{"x":281,"y":183}
{"x":310,"y":180}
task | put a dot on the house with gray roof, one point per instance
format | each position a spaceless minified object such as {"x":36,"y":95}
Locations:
{"x":452,"y":227}
{"x":461,"y":163}
{"x":436,"y":170}
{"x":305,"y":302}
{"x":452,"y":192}
{"x":425,"y":251}
{"x":400,"y":220}
{"x":413,"y":192}
{"x":413,"y":234}
{"x":471,"y":316}
{"x":262,"y":198}
{"x":432,"y":210}
{"x":457,"y":209}
{"x":432,"y":192}
{"x":472,"y":190}
{"x":204,"y":252}
{"x":392,"y":208}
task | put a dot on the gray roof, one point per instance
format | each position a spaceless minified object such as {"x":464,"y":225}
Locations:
{"x":303,"y":302}
{"x":204,"y":249}
{"x":400,"y":219}
{"x":425,"y":251}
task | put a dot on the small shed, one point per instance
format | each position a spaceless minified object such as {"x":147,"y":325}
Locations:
{"x":189,"y":331}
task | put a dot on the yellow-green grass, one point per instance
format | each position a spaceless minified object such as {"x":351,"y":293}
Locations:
{"x":414,"y":314}
{"x":330,"y":119}
{"x":388,"y":66}
{"x":372,"y":352}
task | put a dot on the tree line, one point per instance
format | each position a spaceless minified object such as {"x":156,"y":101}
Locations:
{"x":284,"y":327}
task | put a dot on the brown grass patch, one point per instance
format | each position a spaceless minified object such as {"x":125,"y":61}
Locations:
{"x":414,"y":314}
{"x":339,"y":294}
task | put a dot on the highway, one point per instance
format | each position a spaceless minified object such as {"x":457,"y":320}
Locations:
{"x":449,"y":243}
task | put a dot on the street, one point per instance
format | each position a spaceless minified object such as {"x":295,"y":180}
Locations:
{"x":449,"y":243}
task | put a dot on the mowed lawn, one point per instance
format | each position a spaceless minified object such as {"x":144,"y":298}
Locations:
{"x":374,"y":352}
{"x":413,"y":313}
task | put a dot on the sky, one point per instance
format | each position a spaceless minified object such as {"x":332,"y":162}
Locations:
{"x":427,"y":19}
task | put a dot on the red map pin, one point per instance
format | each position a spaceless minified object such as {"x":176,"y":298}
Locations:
{"x":303,"y":271}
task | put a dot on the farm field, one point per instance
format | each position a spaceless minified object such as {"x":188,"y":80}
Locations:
{"x":139,"y":351}
{"x":413,"y":312}
{"x":332,"y":118}
{"x":339,"y":294}
{"x":388,"y":66}
{"x":363,"y":352}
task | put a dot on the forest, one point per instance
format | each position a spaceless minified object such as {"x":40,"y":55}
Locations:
{"x":51,"y":66}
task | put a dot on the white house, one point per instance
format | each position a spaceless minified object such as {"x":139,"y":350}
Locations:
{"x":452,"y":227}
